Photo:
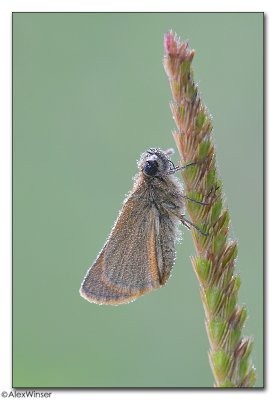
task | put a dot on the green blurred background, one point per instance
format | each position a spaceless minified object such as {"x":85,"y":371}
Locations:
{"x":89,"y":95}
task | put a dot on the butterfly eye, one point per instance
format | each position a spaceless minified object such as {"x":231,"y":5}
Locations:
{"x":151,"y":168}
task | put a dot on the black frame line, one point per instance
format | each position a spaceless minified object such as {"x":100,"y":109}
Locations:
{"x":129,"y":389}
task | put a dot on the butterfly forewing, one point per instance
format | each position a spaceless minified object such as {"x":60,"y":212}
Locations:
{"x":135,"y":259}
{"x":127,"y":257}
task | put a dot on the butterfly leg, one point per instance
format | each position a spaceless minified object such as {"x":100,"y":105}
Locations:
{"x":193,"y":200}
{"x":188,"y":224}
{"x":171,"y":209}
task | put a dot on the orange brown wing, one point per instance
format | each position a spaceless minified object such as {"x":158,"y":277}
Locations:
{"x":128,"y":265}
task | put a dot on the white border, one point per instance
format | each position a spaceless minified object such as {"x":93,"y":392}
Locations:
{"x":6,"y":8}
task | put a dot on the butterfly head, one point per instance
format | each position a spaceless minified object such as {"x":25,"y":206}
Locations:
{"x":154,"y":162}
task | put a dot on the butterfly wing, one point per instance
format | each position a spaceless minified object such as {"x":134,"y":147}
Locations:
{"x":95,"y":290}
{"x":166,"y":233}
{"x":137,"y":257}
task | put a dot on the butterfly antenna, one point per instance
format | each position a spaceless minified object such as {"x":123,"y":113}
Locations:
{"x":176,"y":169}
